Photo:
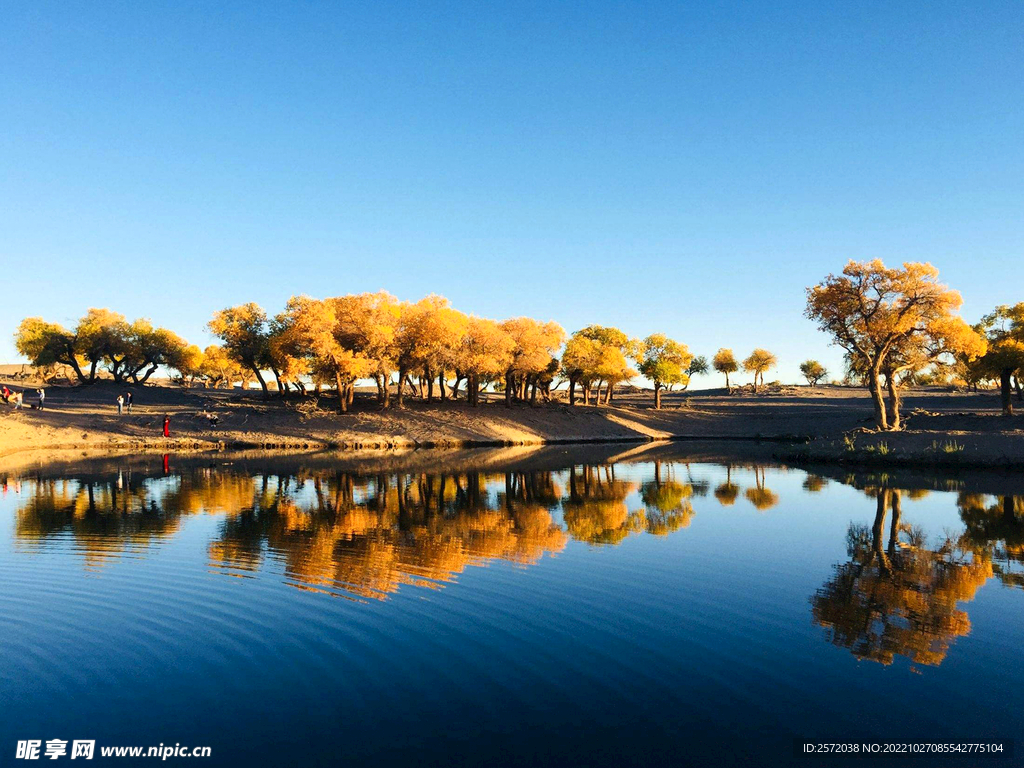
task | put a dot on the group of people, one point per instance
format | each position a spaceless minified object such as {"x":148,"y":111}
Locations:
{"x":125,"y":401}
{"x":17,"y":398}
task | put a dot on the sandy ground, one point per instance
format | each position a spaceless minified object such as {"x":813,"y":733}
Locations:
{"x":821,"y":419}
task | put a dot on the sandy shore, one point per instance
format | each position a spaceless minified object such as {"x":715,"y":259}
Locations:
{"x":819,"y":422}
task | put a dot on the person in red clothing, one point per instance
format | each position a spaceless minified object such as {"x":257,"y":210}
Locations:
{"x":167,"y":426}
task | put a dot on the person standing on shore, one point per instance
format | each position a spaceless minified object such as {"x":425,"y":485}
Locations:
{"x":5,"y":394}
{"x":42,"y":397}
{"x":19,"y":400}
{"x":120,"y":404}
{"x":129,"y":398}
{"x":167,"y":426}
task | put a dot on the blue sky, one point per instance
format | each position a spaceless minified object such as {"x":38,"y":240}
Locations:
{"x":682,"y":168}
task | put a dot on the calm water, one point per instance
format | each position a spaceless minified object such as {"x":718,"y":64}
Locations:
{"x":508,"y":608}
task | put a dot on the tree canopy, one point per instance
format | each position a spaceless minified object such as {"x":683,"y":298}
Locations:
{"x":888,"y":319}
{"x":664,"y":362}
{"x":813,"y":371}
{"x":759,"y":361}
{"x":725,"y":363}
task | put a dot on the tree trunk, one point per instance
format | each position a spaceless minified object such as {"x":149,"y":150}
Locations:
{"x":342,"y":395}
{"x":876,"y":529}
{"x":572,"y":390}
{"x":430,"y":385}
{"x":150,"y":372}
{"x":400,"y":400}
{"x":611,"y":391}
{"x":281,"y":392}
{"x":727,"y":387}
{"x":508,"y":390}
{"x":875,"y":387}
{"x":386,"y":392}
{"x":261,"y":380}
{"x":1004,"y":390}
{"x":893,"y":410}
{"x":657,"y":395}
{"x":894,"y":526}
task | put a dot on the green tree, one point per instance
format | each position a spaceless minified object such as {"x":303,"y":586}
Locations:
{"x":664,"y":362}
{"x":1004,"y":358}
{"x":813,"y":371}
{"x":697,"y":367}
{"x":245,"y":332}
{"x":48,"y":344}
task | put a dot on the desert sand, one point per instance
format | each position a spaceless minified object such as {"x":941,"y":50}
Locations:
{"x":826,"y":423}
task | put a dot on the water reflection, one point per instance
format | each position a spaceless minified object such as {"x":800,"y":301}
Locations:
{"x":367,"y":536}
{"x":899,"y":593}
{"x":995,"y":529}
{"x":899,"y":598}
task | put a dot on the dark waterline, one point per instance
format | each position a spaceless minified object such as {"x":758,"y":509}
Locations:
{"x":508,"y":607}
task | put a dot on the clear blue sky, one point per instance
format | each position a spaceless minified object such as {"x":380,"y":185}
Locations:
{"x":678,"y":167}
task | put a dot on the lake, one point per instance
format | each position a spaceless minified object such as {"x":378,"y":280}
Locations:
{"x":608,"y":605}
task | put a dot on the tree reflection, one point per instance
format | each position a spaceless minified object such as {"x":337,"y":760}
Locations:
{"x":367,"y":536}
{"x":814,"y":483}
{"x":102,"y":518}
{"x":596,"y":511}
{"x":900,"y":599}
{"x":727,"y":492}
{"x":667,"y":505}
{"x":995,"y":529}
{"x":761,"y":497}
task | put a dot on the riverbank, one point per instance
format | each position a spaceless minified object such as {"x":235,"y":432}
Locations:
{"x":830,"y":424}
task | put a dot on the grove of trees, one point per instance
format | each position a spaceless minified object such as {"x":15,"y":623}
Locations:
{"x":895,"y":325}
{"x":426,"y":348}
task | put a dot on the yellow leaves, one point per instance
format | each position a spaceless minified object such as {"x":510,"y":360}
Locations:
{"x":218,"y":367}
{"x":486,"y":349}
{"x":319,"y":335}
{"x":759,"y":361}
{"x":535,"y":344}
{"x":869,"y":307}
{"x":370,"y":323}
{"x":761,"y":498}
{"x":725,"y":362}
{"x":431,"y":333}
{"x":190,"y":361}
{"x":949,"y":334}
{"x":581,"y":357}
{"x":663,"y":360}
